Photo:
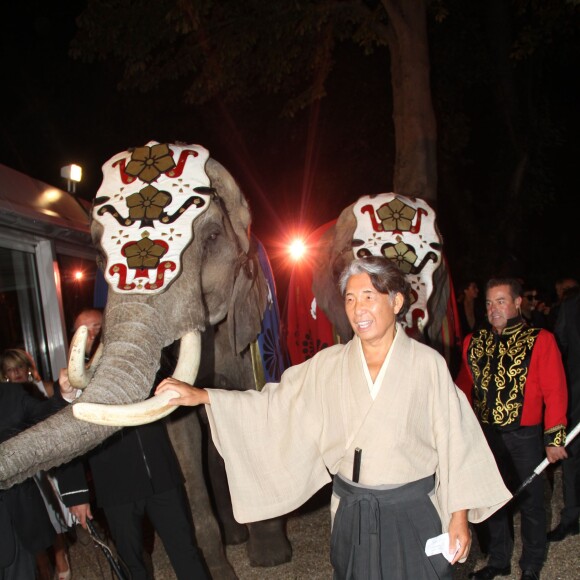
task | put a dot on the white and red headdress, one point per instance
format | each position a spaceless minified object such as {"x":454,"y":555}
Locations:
{"x":146,"y":204}
{"x":404,"y":230}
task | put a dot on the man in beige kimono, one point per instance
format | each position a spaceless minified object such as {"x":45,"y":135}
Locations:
{"x":425,"y":469}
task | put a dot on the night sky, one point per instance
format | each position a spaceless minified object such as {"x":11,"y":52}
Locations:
{"x":297,"y":173}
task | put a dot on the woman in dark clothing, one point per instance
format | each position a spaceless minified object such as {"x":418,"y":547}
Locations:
{"x":25,"y":527}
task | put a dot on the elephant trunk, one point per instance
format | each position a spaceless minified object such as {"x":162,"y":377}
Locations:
{"x":152,"y":409}
{"x":125,"y":374}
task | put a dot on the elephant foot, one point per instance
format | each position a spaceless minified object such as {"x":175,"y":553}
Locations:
{"x":234,"y":533}
{"x":268,"y":545}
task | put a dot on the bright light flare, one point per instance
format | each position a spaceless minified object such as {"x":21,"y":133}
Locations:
{"x":79,"y":275}
{"x":297,"y":249}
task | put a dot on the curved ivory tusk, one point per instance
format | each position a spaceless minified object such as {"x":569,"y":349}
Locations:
{"x":189,"y":358}
{"x":80,"y":374}
{"x":76,"y":360}
{"x":140,"y":413}
{"x":151,"y":409}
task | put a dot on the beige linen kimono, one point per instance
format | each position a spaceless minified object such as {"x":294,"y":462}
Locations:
{"x":279,"y":444}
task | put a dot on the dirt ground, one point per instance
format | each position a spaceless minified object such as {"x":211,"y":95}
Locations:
{"x":309,"y":532}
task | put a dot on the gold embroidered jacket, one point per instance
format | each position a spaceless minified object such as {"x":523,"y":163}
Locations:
{"x":516,"y":378}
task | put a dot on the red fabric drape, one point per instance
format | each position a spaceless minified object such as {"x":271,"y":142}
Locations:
{"x":309,"y":330}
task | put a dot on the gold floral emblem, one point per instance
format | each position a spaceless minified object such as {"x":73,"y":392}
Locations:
{"x":402,"y":255}
{"x":147,"y":163}
{"x":147,"y":203}
{"x":396,"y":215}
{"x":144,"y":253}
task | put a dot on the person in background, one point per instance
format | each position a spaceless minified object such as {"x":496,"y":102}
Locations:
{"x":135,"y":474}
{"x":563,"y":287}
{"x":25,"y":527}
{"x":532,"y":308}
{"x":17,"y":366}
{"x":471,"y":313}
{"x":567,"y":332}
{"x":514,"y":376}
{"x":383,"y":397}
{"x":92,"y":318}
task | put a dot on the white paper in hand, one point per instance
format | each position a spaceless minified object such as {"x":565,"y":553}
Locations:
{"x":440,"y":545}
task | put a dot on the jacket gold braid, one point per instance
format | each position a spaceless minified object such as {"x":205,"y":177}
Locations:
{"x":509,"y":377}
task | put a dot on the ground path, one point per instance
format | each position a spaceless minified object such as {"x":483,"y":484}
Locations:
{"x":309,"y":532}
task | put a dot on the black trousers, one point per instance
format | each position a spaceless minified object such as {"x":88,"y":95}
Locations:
{"x":169,"y":515}
{"x":571,"y":483}
{"x":517,"y":454}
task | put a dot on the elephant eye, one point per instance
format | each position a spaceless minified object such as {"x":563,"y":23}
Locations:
{"x":211,"y":238}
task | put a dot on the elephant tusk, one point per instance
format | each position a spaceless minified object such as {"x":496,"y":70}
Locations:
{"x":140,"y":413}
{"x":151,"y":409}
{"x":79,"y":374}
{"x":189,"y":358}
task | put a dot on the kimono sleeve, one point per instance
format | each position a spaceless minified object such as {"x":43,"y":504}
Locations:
{"x":270,"y":443}
{"x":467,"y":474}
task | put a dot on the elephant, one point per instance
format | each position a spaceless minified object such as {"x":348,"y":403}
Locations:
{"x":401,"y":228}
{"x":171,"y":227}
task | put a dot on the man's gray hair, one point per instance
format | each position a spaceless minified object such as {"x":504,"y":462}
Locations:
{"x":385,"y":277}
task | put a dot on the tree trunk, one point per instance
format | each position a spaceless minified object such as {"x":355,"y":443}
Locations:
{"x":415,"y":172}
{"x":517,"y":118}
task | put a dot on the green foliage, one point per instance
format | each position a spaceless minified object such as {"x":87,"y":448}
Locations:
{"x":229,"y":49}
{"x":539,"y":22}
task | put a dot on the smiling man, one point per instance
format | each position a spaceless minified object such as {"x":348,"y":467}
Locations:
{"x":515,"y":377}
{"x":425,"y":468}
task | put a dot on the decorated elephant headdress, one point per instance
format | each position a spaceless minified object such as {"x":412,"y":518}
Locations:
{"x":403,"y":230}
{"x":146,"y":205}
{"x":400,"y":228}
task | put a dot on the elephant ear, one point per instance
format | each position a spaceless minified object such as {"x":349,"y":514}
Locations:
{"x":250,"y":293}
{"x":233,"y":200}
{"x":248,"y":302}
{"x":333,"y":254}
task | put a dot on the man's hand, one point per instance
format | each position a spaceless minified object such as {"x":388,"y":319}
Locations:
{"x":65,"y":386}
{"x":81,"y":513}
{"x":188,"y":395}
{"x":459,"y":531}
{"x":555,"y":454}
{"x":67,"y":391}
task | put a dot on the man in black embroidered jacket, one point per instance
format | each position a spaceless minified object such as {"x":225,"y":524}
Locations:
{"x":515,"y":378}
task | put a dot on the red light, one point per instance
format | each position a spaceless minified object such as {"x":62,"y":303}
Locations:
{"x":78,"y":275}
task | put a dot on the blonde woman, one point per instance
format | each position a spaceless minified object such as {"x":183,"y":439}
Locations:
{"x":18,"y":367}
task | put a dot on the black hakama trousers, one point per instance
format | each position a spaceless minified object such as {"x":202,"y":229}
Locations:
{"x":380,"y":534}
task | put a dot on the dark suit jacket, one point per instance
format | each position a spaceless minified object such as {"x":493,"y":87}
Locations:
{"x":22,"y":510}
{"x":567,"y":331}
{"x":134,"y":464}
